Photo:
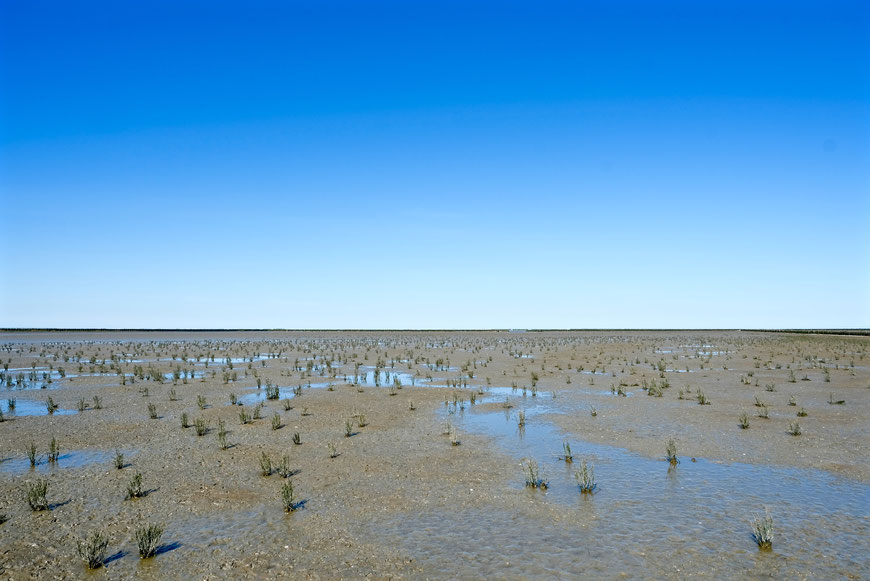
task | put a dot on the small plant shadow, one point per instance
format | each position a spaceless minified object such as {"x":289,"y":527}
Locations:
{"x":55,"y":505}
{"x":165,"y":548}
{"x":300,"y":504}
{"x":115,"y":557}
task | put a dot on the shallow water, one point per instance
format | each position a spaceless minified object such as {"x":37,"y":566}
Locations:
{"x":67,"y":459}
{"x":645,"y":518}
{"x":25,"y":407}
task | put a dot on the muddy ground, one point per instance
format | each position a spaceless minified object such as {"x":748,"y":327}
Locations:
{"x":400,"y":500}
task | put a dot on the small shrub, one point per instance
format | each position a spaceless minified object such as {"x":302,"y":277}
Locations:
{"x":762,"y":530}
{"x":172,"y":395}
{"x":297,"y":439}
{"x":792,"y":401}
{"x":348,"y":428}
{"x":265,"y":465}
{"x":568,"y":456}
{"x":222,"y":435}
{"x":185,"y":421}
{"x":770,"y":387}
{"x":454,"y":437}
{"x":585,"y":477}
{"x":53,"y":451}
{"x":134,"y":487}
{"x":333,"y":450}
{"x":272,"y":392}
{"x":763,"y":412}
{"x":258,"y":411}
{"x":36,"y":492}
{"x":521,"y":419}
{"x":234,"y":399}
{"x":119,"y":460}
{"x":744,"y":420}
{"x":671,"y":453}
{"x":201,"y":426}
{"x":361,"y":420}
{"x":411,"y":406}
{"x":702,"y":399}
{"x":152,"y":411}
{"x":83,"y":404}
{"x":284,"y":468}
{"x":802,"y":413}
{"x":93,"y":550}
{"x":244,"y":416}
{"x":592,"y":411}
{"x":533,"y":475}
{"x":148,"y":540}
{"x":98,"y":403}
{"x":276,"y":421}
{"x":794,"y":428}
{"x":32,"y":455}
{"x":288,"y":499}
{"x":288,"y":405}
{"x":50,"y":406}
{"x":200,"y":402}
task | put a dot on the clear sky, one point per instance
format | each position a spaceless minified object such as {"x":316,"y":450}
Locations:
{"x":435,"y":164}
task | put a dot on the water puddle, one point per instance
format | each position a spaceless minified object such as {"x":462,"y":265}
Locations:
{"x":67,"y":459}
{"x":645,"y":518}
{"x":25,"y":407}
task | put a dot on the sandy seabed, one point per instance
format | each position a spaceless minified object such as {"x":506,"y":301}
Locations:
{"x":430,"y":481}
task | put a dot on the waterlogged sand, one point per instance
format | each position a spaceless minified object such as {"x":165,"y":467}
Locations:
{"x":399,"y":500}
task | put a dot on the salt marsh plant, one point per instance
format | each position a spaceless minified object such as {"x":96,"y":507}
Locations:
{"x":185,"y":421}
{"x":172,"y":395}
{"x":148,"y":540}
{"x":32,"y":455}
{"x":244,"y":416}
{"x":272,"y":392}
{"x":411,"y":406}
{"x":276,"y":421}
{"x":763,"y":412}
{"x":53,"y":451}
{"x":671,"y":453}
{"x":831,"y":400}
{"x":200,"y":402}
{"x":454,"y":437}
{"x":82,"y":405}
{"x":585,"y":477}
{"x":119,"y":460}
{"x":265,"y":464}
{"x":258,"y":411}
{"x":333,"y":450}
{"x":361,"y":420}
{"x":35,"y":494}
{"x":284,"y":468}
{"x":201,"y":426}
{"x":234,"y":399}
{"x":288,"y":499}
{"x":50,"y":406}
{"x":794,"y":428}
{"x":297,"y":439}
{"x":568,"y":456}
{"x":152,"y":411}
{"x":592,"y":411}
{"x":792,"y":401}
{"x":348,"y":428}
{"x":521,"y":419}
{"x":222,"y":435}
{"x":770,"y":387}
{"x":134,"y":487}
{"x":744,"y":421}
{"x":93,"y":550}
{"x":532,"y":472}
{"x":762,"y":530}
{"x":802,"y":413}
{"x":288,"y":405}
{"x":702,"y":399}
{"x":98,"y":403}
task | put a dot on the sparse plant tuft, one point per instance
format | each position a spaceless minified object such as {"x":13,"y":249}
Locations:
{"x":585,"y":477}
{"x":762,"y":530}
{"x":148,"y":540}
{"x":93,"y":550}
{"x":36,"y":492}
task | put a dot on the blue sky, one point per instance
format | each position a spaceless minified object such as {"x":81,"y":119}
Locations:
{"x":435,"y":164}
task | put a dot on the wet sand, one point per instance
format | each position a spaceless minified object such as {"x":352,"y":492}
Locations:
{"x":399,"y":500}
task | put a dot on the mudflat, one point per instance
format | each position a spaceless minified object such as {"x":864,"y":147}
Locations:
{"x":408,"y":453}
